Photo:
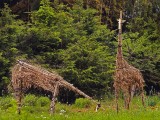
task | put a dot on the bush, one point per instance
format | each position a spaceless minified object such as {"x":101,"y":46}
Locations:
{"x":43,"y":101}
{"x":5,"y":103}
{"x":30,"y":100}
{"x":153,"y":101}
{"x":82,"y":103}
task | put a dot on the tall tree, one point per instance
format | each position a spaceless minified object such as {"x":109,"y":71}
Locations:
{"x":10,"y":32}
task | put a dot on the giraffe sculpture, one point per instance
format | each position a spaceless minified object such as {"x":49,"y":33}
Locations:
{"x":127,"y":79}
{"x":25,"y":76}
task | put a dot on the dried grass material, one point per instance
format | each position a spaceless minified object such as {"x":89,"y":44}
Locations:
{"x":25,"y":75}
{"x":127,"y":78}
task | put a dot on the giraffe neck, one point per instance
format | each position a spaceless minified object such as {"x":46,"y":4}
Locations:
{"x":119,"y":50}
{"x":119,"y":58}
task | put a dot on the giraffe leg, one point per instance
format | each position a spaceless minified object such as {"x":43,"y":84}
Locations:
{"x":52,"y":106}
{"x":19,"y":104}
{"x":18,"y":96}
{"x":142,"y":95}
{"x":130,"y":94}
{"x":132,"y":91}
{"x":126,"y":99}
{"x":129,"y":101}
{"x":116,"y":99}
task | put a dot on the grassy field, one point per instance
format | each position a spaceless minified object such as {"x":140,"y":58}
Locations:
{"x":37,"y":108}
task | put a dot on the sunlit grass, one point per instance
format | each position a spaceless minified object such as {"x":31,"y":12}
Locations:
{"x":72,"y":112}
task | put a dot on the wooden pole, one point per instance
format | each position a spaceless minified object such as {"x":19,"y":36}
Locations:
{"x":52,"y":106}
{"x":18,"y":95}
{"x":119,"y":52}
{"x":119,"y":55}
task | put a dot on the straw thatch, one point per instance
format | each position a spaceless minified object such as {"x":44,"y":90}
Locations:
{"x":25,"y":75}
{"x":127,"y":79}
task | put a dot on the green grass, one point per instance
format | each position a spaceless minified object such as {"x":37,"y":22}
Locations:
{"x":74,"y":112}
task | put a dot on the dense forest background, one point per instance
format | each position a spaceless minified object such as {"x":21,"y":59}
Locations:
{"x":78,"y":39}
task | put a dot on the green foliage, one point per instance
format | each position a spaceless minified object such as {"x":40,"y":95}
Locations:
{"x":10,"y":32}
{"x":5,"y":103}
{"x":153,"y":101}
{"x":86,"y":65}
{"x":82,"y":103}
{"x":6,"y":17}
{"x":43,"y":101}
{"x":30,"y":100}
{"x":45,"y":15}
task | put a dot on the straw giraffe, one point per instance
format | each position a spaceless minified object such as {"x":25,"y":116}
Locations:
{"x":25,"y":75}
{"x":127,"y":78}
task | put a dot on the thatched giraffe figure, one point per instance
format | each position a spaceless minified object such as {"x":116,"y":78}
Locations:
{"x":25,"y":75}
{"x":127,"y":78}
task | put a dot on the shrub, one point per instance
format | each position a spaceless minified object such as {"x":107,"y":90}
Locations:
{"x":153,"y":101}
{"x":43,"y":101}
{"x":5,"y":103}
{"x":30,"y":100}
{"x":82,"y":103}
